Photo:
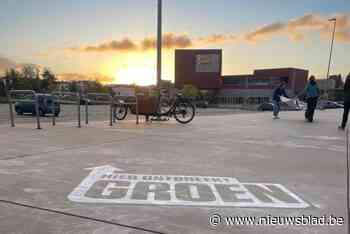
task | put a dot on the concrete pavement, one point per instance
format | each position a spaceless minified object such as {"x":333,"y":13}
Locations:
{"x":302,"y":163}
{"x":96,"y":113}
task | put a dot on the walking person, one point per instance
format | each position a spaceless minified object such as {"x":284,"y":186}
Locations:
{"x":346,"y":103}
{"x":312,"y":95}
{"x":277,"y":93}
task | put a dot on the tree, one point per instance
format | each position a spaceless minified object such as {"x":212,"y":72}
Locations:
{"x":29,"y":78}
{"x":190,"y":91}
{"x":167,"y":84}
{"x":97,"y":87}
{"x":17,"y":81}
{"x":32,"y":75}
{"x":73,"y":87}
{"x":2,"y":87}
{"x":49,"y":81}
{"x":29,"y":72}
{"x":12,"y":74}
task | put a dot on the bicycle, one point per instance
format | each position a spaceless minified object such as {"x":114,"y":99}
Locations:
{"x":180,"y":108}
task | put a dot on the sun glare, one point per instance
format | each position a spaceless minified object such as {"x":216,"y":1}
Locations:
{"x":136,"y":75}
{"x":131,"y":68}
{"x":135,"y":68}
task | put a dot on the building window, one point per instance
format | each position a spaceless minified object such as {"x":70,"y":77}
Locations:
{"x":258,"y":81}
{"x":234,"y":81}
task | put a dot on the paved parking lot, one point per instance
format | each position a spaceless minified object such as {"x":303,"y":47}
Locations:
{"x":170,"y":178}
{"x":98,"y":113}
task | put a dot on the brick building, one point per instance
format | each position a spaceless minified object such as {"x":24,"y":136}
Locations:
{"x":258,"y":87}
{"x":203,"y":69}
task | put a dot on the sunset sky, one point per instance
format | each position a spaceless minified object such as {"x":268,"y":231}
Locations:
{"x":114,"y":39}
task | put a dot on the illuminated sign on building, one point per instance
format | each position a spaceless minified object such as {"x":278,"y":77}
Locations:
{"x":207,"y":63}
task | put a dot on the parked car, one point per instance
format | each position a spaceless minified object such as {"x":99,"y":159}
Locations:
{"x":266,"y":106}
{"x":201,"y":104}
{"x":291,"y":105}
{"x":47,"y":105}
{"x":85,"y":101}
{"x":322,"y":105}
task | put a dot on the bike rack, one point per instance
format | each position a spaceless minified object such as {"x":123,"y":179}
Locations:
{"x":107,"y":99}
{"x":61,"y":98}
{"x":74,"y":98}
{"x":9,"y":102}
{"x":136,"y":104}
{"x":25,"y":93}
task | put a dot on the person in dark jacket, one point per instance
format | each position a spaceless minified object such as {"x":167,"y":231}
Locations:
{"x":312,"y":94}
{"x":277,"y":93}
{"x":346,"y":102}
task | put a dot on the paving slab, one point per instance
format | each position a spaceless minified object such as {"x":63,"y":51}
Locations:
{"x":68,"y":180}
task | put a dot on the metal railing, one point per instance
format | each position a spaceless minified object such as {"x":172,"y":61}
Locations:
{"x":67,"y":98}
{"x":70,"y":98}
{"x":99,"y":98}
{"x":117,"y":98}
{"x":25,"y":93}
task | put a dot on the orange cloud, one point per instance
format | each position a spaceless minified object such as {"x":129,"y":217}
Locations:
{"x":264,"y":32}
{"x":308,"y":21}
{"x":322,"y":25}
{"x":217,"y":39}
{"x":170,"y":41}
{"x":122,"y":45}
{"x":295,"y":29}
{"x":343,"y":21}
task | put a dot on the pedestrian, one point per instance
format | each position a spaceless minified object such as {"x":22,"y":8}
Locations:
{"x":277,"y":93}
{"x":346,"y":103}
{"x":312,"y":94}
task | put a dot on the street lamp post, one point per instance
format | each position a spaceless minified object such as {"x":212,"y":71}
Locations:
{"x":334,"y":20}
{"x":159,"y":55}
{"x":159,"y":44}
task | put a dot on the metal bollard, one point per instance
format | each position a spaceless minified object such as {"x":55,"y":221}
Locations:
{"x":37,"y":111}
{"x":137,"y":110}
{"x":53,"y":109}
{"x":86,"y":112}
{"x":10,"y":105}
{"x":78,"y":109}
{"x":111,"y":113}
{"x":114,"y":110}
{"x":11,"y":113}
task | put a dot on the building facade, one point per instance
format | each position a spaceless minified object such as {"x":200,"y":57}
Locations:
{"x":258,"y":87}
{"x":200,"y":68}
{"x":203,"y":69}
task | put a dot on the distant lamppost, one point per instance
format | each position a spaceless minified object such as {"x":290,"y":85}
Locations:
{"x":334,"y":20}
{"x":159,"y":44}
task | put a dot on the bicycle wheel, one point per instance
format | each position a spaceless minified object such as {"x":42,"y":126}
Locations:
{"x":120,"y":112}
{"x":164,"y":106}
{"x":184,"y":112}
